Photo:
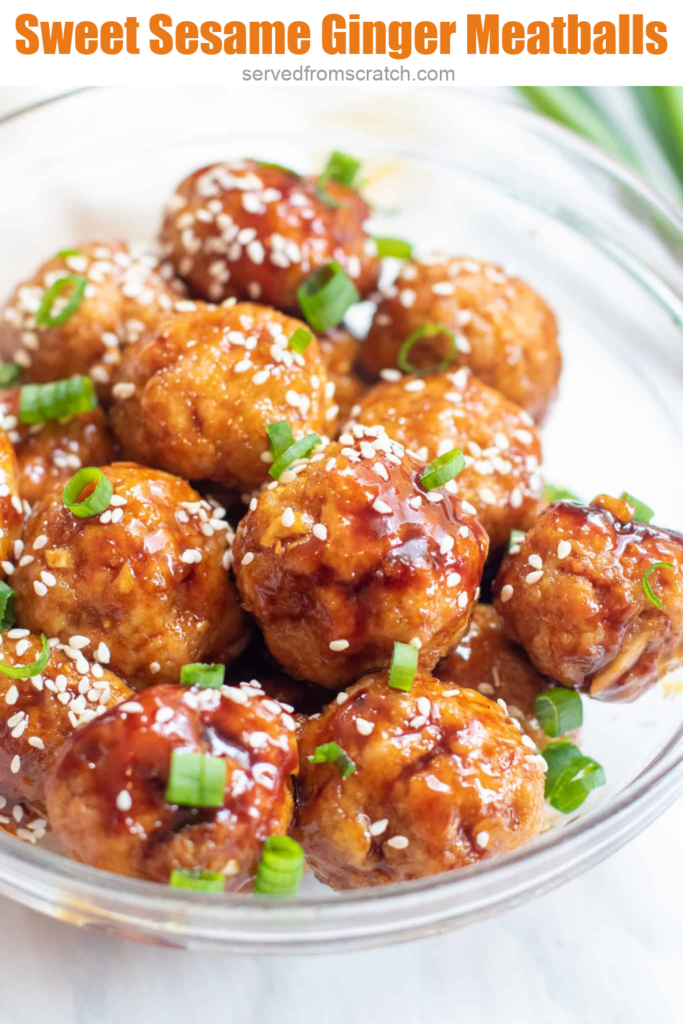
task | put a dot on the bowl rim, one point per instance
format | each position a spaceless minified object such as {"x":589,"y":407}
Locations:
{"x":48,"y":881}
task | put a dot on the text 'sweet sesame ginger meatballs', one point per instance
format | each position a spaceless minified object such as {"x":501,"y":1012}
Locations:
{"x":195,"y":395}
{"x":351,"y":551}
{"x":502,"y":450}
{"x":506,"y":333}
{"x":144,"y":580}
{"x":176,"y":779}
{"x":595,"y":596}
{"x":256,"y":231}
{"x":441,"y":779}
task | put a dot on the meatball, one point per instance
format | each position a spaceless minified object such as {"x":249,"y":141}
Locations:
{"x":442,"y":780}
{"x":145,"y":583}
{"x":106,"y":794}
{"x":340,"y":351}
{"x":39,"y":714}
{"x":195,"y":396}
{"x":487,"y":661}
{"x":574,"y":595}
{"x":507,"y":335}
{"x":124,"y":294}
{"x":11,"y":508}
{"x":250,"y":230}
{"x":502,"y":449}
{"x":349,"y":553}
{"x":50,"y":453}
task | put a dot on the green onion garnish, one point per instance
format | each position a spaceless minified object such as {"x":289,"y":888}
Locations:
{"x":333,"y":753}
{"x":642,"y":512}
{"x":339,"y":167}
{"x":571,"y":776}
{"x":207,"y":677}
{"x":553,"y":492}
{"x":10,"y":374}
{"x":299,"y":450}
{"x":204,"y":881}
{"x":281,"y":867}
{"x":278,"y":167}
{"x":44,"y":317}
{"x":439,"y":471}
{"x":395,"y":247}
{"x":403,"y":667}
{"x":280,"y":437}
{"x":6,"y":606}
{"x":516,"y":539}
{"x":559,"y":711}
{"x":57,"y":400}
{"x":427,"y":331}
{"x":64,"y":254}
{"x":325,"y":296}
{"x":300,"y":340}
{"x":650,"y":595}
{"x":196,"y":780}
{"x":95,"y":502}
{"x":28,"y":671}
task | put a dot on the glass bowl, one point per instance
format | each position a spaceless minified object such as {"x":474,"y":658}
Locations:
{"x":452,"y":171}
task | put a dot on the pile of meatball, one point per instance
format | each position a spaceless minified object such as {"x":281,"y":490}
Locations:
{"x":300,"y":584}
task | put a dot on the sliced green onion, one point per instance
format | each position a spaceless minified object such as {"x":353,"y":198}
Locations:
{"x":207,"y":677}
{"x":662,"y":109}
{"x":278,"y":167}
{"x":44,"y":317}
{"x":196,"y":780}
{"x":6,"y":606}
{"x":403,"y":667}
{"x":427,"y":331}
{"x":559,"y":711}
{"x":10,"y":374}
{"x":299,"y":450}
{"x":651,"y":596}
{"x":95,"y":502}
{"x":571,"y":776}
{"x":336,"y":755}
{"x":203,"y":881}
{"x":64,"y":254}
{"x":280,"y":437}
{"x":57,"y":400}
{"x":642,"y":512}
{"x":28,"y":671}
{"x":281,"y":867}
{"x":300,"y":340}
{"x":395,"y":247}
{"x":325,"y":296}
{"x":516,"y":539}
{"x":340,"y":167}
{"x":553,"y":492}
{"x":441,"y":470}
{"x":574,"y":107}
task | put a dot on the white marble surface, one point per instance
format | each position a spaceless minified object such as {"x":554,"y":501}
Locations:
{"x":605,"y":948}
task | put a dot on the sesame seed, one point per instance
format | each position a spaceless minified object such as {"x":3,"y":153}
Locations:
{"x":506,"y":593}
{"x":469,"y":509}
{"x":288,"y":518}
{"x":339,"y":645}
{"x":516,"y":498}
{"x":123,"y":390}
{"x":486,"y":689}
{"x":248,"y":558}
{"x":124,"y":801}
{"x":102,"y":653}
{"x":320,"y":531}
{"x":536,"y":561}
{"x":342,"y":697}
{"x":378,"y":827}
{"x":446,"y":545}
{"x":35,"y":741}
{"x":8,"y":568}
{"x":117,"y":500}
{"x":463,"y":599}
{"x":482,"y":840}
{"x":397,"y":842}
{"x":533,"y":577}
{"x":453,"y":579}
{"x":364,"y":727}
{"x":424,"y":706}
{"x":564,"y":548}
{"x":528,"y":742}
{"x":381,"y":507}
{"x":40,"y":588}
{"x":48,"y":578}
{"x":415,"y":642}
{"x":39,"y":542}
{"x":16,"y":764}
{"x":117,"y":515}
{"x":133,"y":706}
{"x":163,"y":715}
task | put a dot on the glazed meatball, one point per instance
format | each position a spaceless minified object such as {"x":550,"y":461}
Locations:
{"x":11,"y":508}
{"x":106,"y":795}
{"x":340,"y":351}
{"x":442,"y":780}
{"x":146,"y":582}
{"x":574,"y":596}
{"x":487,"y":661}
{"x":248,"y":230}
{"x":124,"y":294}
{"x":39,"y":714}
{"x":195,"y":396}
{"x":50,"y":453}
{"x":350,"y":553}
{"x":507,"y":335}
{"x":502,"y":450}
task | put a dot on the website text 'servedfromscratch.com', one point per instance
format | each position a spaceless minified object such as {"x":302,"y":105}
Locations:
{"x":306,"y":73}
